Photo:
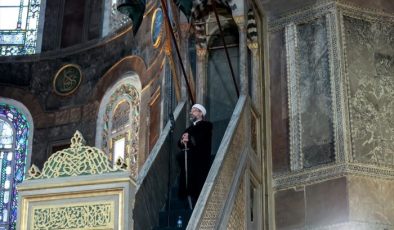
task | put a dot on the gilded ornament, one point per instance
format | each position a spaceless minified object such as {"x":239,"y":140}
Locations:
{"x":74,"y":161}
{"x":157,"y":27}
{"x":82,"y":216}
{"x":67,"y":80}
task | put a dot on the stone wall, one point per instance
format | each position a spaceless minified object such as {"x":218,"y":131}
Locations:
{"x":331,"y":71}
{"x":103,"y":61}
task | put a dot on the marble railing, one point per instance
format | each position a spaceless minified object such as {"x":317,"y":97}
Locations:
{"x":216,"y":202}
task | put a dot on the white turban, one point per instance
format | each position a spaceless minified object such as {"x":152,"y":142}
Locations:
{"x":201,"y":108}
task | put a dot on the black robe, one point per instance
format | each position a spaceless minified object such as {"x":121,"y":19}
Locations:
{"x":198,"y":158}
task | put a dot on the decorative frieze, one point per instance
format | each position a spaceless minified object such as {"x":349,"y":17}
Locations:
{"x":311,"y":176}
{"x":82,"y":216}
{"x":294,"y":103}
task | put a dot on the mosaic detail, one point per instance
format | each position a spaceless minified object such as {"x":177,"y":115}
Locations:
{"x":18,"y":35}
{"x":90,"y":216}
{"x":13,"y":157}
{"x":223,"y":181}
{"x":126,"y":93}
{"x":237,"y":219}
{"x":370,"y":79}
{"x":74,"y":161}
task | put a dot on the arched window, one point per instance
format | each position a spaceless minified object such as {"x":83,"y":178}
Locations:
{"x":118,"y":124}
{"x":18,"y":26}
{"x":14,"y":157}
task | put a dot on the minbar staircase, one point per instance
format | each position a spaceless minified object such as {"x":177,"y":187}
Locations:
{"x":178,"y":208}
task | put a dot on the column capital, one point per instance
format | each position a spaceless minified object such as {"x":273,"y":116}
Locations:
{"x":253,"y":46}
{"x":201,"y":53}
{"x":241,"y":22}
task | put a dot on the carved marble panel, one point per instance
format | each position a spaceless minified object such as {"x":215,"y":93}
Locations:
{"x":370,"y":74}
{"x":310,"y":98}
{"x":315,"y":93}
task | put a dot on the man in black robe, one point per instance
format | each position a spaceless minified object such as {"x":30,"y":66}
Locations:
{"x":195,"y":144}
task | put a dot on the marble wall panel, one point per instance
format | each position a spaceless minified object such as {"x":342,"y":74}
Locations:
{"x":289,"y":209}
{"x":279,"y":106}
{"x":371,"y":200}
{"x":370,"y":74}
{"x":326,"y":203}
{"x":315,"y":93}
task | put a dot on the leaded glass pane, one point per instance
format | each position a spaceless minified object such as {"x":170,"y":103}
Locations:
{"x":119,"y":149}
{"x":6,"y":134}
{"x":121,"y":116}
{"x":9,"y":157}
{"x":18,"y":26}
{"x":7,"y":184}
{"x":8,"y":170}
{"x":10,"y":2}
{"x":9,"y":18}
{"x":24,"y":17}
{"x":5,"y":214}
{"x":12,"y":38}
{"x":6,"y":197}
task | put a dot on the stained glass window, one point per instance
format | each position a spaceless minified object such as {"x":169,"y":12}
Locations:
{"x":18,"y":26}
{"x":14,"y":133}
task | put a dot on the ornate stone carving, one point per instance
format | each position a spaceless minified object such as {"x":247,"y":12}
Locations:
{"x":237,"y":219}
{"x":370,"y":79}
{"x":303,"y":15}
{"x":310,"y":176}
{"x":80,"y":216}
{"x":74,"y":161}
{"x":129,"y":93}
{"x":292,"y":84}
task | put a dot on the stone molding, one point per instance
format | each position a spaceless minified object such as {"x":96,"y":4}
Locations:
{"x":322,"y":7}
{"x":311,"y":176}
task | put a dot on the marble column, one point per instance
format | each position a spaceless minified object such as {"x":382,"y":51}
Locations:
{"x":201,"y":78}
{"x":243,"y":54}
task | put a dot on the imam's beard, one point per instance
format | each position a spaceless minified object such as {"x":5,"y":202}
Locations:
{"x":193,"y":119}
